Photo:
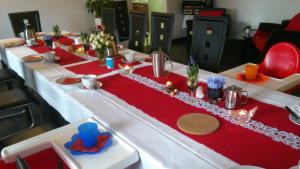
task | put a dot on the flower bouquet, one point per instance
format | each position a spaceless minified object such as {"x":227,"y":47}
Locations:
{"x":100,"y":43}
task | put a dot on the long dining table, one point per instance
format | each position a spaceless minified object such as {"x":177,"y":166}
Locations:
{"x":137,"y":109}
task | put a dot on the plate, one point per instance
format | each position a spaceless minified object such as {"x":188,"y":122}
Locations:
{"x":14,"y":43}
{"x":33,"y":58}
{"x":246,"y":167}
{"x":77,"y":148}
{"x":98,"y":86}
{"x":68,"y":80}
{"x":259,"y":78}
{"x":75,"y":34}
{"x":294,"y":120}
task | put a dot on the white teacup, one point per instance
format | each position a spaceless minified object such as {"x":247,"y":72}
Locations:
{"x":77,"y":41}
{"x":50,"y":56}
{"x":296,"y":109}
{"x":130,"y":56}
{"x":89,"y":81}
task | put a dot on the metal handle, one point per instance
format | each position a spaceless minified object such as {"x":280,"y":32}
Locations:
{"x":170,"y":61}
{"x":246,"y":100}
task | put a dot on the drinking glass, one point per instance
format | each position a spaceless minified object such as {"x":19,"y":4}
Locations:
{"x":214,"y":95}
{"x":251,"y":71}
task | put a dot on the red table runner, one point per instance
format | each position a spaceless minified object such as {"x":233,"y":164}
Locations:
{"x":95,"y":68}
{"x":242,"y":145}
{"x":65,"y":57}
{"x":46,"y":159}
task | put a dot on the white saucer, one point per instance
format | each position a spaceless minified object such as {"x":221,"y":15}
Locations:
{"x":99,"y":85}
{"x":294,"y":120}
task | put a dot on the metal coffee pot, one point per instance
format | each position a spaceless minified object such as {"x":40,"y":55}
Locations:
{"x":233,"y":97}
{"x":29,"y":35}
{"x":158,"y":63}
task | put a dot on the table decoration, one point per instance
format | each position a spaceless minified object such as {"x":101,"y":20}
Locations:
{"x":125,"y":69}
{"x":215,"y":88}
{"x":192,"y":80}
{"x":56,"y":32}
{"x":242,"y":115}
{"x":100,"y":42}
{"x":48,"y":40}
{"x":198,"y":123}
{"x":85,"y":41}
{"x":171,"y":89}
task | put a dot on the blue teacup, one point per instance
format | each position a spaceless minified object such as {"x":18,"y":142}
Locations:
{"x":88,"y":133}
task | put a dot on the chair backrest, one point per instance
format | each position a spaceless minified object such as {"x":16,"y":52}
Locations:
{"x":109,"y":20}
{"x":122,"y":19}
{"x":162,"y":25}
{"x":209,"y":35}
{"x":21,"y":163}
{"x":17,"y":21}
{"x":137,"y":34}
{"x":281,"y":60}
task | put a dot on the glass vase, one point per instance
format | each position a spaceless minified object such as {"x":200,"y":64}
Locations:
{"x":101,"y":57}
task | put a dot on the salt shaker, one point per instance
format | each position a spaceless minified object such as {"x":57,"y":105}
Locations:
{"x":199,"y":92}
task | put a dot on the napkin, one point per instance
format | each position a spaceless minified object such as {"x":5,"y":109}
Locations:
{"x":69,"y":80}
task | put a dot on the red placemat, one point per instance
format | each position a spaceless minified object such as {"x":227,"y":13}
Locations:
{"x":65,"y":57}
{"x":46,"y":159}
{"x":237,"y":143}
{"x":95,"y":68}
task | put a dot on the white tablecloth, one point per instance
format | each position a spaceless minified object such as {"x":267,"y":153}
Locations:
{"x":159,"y":145}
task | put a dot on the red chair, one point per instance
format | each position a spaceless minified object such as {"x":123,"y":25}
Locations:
{"x":281,"y":60}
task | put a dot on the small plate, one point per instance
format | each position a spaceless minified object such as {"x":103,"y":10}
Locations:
{"x":33,"y":58}
{"x":14,"y":44}
{"x":61,"y":80}
{"x":294,"y":120}
{"x":99,"y":85}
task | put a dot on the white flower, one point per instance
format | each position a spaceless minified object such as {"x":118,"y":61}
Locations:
{"x":102,"y":34}
{"x":99,"y":46}
{"x":102,"y":40}
{"x":107,"y":43}
{"x":112,"y":37}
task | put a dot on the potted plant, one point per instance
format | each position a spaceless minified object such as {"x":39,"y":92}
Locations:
{"x":95,"y":6}
{"x":56,"y":31}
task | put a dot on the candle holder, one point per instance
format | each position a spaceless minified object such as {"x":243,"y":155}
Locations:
{"x":242,"y":115}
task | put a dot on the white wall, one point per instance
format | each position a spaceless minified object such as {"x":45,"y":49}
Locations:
{"x":252,"y":12}
{"x":70,"y":15}
{"x":174,"y":6}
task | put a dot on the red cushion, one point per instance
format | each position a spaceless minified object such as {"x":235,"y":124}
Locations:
{"x":212,"y":13}
{"x":259,"y":39}
{"x":294,"y":24}
{"x":281,"y":60}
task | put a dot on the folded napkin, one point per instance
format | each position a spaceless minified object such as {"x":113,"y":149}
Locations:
{"x":69,"y":80}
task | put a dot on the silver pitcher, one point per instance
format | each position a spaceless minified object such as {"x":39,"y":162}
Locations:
{"x":158,"y":63}
{"x":233,"y":97}
{"x":29,"y":35}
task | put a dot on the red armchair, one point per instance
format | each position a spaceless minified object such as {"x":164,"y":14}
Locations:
{"x":282,"y":60}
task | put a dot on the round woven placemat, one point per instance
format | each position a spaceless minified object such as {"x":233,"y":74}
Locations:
{"x":198,"y":123}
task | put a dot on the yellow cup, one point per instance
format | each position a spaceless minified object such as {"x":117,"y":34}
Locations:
{"x":251,"y":71}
